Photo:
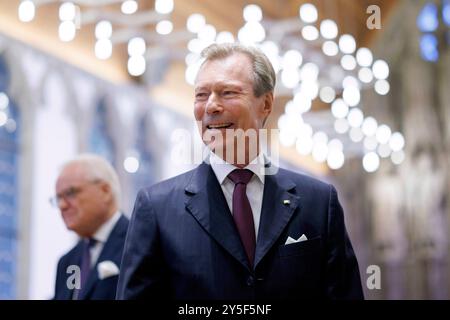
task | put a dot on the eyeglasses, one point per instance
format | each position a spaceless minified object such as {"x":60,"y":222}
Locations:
{"x":70,"y":193}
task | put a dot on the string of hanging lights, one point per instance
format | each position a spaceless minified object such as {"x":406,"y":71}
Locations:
{"x":336,"y":74}
{"x":134,"y":26}
{"x":311,"y":58}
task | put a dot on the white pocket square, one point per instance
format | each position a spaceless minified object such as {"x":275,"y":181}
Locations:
{"x":292,"y":240}
{"x":107,"y":269}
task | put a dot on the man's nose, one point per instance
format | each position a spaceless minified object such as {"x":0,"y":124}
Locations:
{"x":62,"y":203}
{"x":213,"y":105}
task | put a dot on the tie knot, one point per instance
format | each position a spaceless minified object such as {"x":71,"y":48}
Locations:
{"x":90,"y":242}
{"x":240,"y":176}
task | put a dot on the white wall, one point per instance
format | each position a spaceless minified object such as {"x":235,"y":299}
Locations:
{"x":55,"y":141}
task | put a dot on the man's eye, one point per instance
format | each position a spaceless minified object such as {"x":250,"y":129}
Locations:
{"x":71,"y":192}
{"x":228,"y":93}
{"x":201,"y":95}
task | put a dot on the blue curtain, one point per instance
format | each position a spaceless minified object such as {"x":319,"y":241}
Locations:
{"x":9,"y":195}
{"x":145,"y":175}
{"x":100,"y":141}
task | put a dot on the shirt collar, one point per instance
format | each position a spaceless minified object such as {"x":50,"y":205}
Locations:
{"x":222,"y":168}
{"x":102,"y":234}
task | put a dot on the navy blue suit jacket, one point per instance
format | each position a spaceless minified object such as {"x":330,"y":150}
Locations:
{"x":182,"y":243}
{"x":95,"y":289}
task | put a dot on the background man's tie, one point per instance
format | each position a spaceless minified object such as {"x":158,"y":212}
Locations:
{"x":242,"y":211}
{"x":85,"y":265}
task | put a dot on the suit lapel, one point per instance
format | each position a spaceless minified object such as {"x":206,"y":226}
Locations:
{"x":75,"y":260}
{"x":90,"y":282}
{"x":68,"y":294}
{"x":276,"y":212}
{"x":109,"y":251}
{"x":208,"y":206}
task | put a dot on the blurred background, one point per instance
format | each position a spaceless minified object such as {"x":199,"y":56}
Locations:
{"x":362,"y":101}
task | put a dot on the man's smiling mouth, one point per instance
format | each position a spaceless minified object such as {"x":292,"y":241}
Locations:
{"x":219,"y":126}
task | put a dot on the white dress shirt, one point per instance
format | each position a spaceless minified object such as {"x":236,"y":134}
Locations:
{"x":255,"y":187}
{"x":102,"y":235}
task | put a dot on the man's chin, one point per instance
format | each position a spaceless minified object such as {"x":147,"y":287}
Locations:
{"x":226,"y":153}
{"x":70,"y":224}
{"x":217,"y":147}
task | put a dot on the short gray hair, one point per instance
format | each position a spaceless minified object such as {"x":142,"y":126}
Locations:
{"x":263,"y":73}
{"x":99,"y":168}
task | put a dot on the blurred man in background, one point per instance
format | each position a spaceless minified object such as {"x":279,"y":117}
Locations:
{"x":87,"y":194}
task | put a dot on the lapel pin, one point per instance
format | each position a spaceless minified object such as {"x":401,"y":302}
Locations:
{"x":286,"y":202}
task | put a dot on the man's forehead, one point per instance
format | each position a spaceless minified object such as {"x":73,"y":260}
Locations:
{"x":72,"y":172}
{"x":235,"y":67}
{"x":229,"y":60}
{"x":219,"y":82}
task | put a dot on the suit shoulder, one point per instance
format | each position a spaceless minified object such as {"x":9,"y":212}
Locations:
{"x":305,"y":181}
{"x":122,"y":223}
{"x":68,"y":256}
{"x":169,"y":186}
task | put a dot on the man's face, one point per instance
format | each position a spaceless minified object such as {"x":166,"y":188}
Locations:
{"x":83,"y":202}
{"x":224,"y":97}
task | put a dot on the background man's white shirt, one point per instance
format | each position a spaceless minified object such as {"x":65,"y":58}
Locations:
{"x":101,"y":236}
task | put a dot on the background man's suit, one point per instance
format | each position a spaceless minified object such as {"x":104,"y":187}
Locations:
{"x":182,"y":243}
{"x":95,"y":288}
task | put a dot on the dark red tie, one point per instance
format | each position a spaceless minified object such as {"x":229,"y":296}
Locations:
{"x":242,"y":211}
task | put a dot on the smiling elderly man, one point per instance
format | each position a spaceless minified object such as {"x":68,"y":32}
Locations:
{"x":227,"y":229}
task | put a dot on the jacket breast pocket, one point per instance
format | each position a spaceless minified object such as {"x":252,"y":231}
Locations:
{"x":300,"y":248}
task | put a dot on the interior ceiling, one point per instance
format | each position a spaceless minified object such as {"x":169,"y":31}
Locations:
{"x":42,"y":33}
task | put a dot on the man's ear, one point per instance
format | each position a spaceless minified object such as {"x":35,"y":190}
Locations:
{"x":268,"y":102}
{"x":268,"y":105}
{"x":105,"y":187}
